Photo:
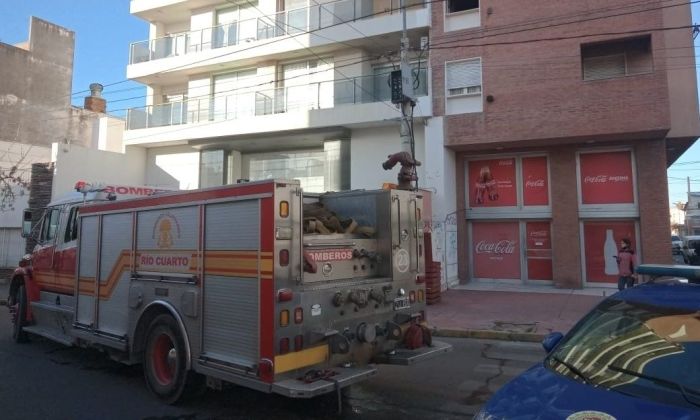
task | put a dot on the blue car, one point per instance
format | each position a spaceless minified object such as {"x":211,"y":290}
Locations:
{"x":634,"y":356}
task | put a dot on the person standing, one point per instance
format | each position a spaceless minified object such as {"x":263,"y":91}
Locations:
{"x":625,"y":264}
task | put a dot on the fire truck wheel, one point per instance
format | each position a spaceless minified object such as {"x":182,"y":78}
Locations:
{"x":20,"y":316}
{"x":164,"y":362}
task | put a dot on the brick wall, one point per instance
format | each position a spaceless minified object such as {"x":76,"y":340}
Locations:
{"x":39,"y":195}
{"x":566,"y":243}
{"x":537,"y":87}
{"x":654,"y":226}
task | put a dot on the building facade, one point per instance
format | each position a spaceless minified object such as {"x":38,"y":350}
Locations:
{"x":544,"y":132}
{"x":563,"y":117}
{"x":36,"y":117}
{"x":290,"y":89}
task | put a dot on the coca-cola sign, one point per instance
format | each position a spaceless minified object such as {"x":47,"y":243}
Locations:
{"x":535,"y":184}
{"x":601,"y":265}
{"x":500,"y":247}
{"x":602,"y":179}
{"x":492,"y":183}
{"x":606,"y":178}
{"x":496,"y":250}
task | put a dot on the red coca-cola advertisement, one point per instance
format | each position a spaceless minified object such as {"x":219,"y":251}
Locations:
{"x":535,"y":181}
{"x":606,"y":178}
{"x":492,"y":183}
{"x":601,"y":244}
{"x":496,"y":250}
{"x":539,"y":251}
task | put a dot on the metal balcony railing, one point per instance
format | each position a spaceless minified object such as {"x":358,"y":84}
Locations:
{"x":251,"y":103}
{"x":288,"y":22}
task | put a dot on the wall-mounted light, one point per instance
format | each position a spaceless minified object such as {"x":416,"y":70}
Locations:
{"x":490,"y":98}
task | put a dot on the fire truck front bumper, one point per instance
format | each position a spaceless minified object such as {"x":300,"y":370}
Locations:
{"x":407,"y":357}
{"x":322,"y":382}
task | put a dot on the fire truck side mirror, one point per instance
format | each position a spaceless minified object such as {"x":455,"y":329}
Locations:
{"x":26,"y":223}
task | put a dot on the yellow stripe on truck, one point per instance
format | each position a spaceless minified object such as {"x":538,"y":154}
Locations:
{"x":299,"y":359}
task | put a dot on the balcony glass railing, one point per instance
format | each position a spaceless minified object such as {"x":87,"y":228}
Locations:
{"x":288,"y":22}
{"x":322,"y":95}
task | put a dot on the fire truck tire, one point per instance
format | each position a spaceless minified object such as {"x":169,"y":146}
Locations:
{"x":18,"y":333}
{"x":164,"y":362}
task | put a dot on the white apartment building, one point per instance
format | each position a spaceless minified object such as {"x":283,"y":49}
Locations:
{"x":243,"y":90}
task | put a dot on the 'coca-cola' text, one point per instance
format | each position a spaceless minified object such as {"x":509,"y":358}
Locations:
{"x":501,"y":247}
{"x":602,"y":179}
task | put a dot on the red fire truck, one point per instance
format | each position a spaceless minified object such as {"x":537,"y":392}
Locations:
{"x":245,"y":283}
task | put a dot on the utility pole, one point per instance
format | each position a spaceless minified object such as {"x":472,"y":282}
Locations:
{"x":402,"y":93}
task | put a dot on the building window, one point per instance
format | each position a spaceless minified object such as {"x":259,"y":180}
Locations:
{"x":463,"y":77}
{"x":212,"y":168}
{"x":612,"y":59}
{"x":454,"y":6}
{"x":308,"y":166}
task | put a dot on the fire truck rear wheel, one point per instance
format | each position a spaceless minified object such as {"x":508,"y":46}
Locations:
{"x":20,"y":318}
{"x":164,"y":363}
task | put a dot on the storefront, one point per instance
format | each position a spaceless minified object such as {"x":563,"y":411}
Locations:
{"x":510,"y":222}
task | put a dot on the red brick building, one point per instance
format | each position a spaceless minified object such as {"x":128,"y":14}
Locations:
{"x":563,"y":117}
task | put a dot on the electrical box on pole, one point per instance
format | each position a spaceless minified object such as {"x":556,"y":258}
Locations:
{"x":396,"y":87}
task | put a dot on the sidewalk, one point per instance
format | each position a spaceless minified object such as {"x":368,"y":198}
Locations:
{"x":499,"y":312}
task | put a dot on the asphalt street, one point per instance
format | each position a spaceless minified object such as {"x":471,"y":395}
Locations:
{"x":44,"y":380}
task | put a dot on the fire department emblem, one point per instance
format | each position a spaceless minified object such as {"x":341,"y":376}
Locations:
{"x":165,"y":231}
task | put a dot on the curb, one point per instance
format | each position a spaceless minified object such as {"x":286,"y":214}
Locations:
{"x":489,"y":335}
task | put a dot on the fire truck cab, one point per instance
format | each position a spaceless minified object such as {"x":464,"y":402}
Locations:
{"x":256,"y":284}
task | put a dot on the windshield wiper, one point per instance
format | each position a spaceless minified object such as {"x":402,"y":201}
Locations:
{"x":660,"y":381}
{"x":573,"y":369}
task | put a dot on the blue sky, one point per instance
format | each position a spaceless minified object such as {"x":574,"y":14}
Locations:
{"x":104,"y":30}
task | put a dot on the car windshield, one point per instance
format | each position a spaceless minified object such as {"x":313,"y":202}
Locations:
{"x":675,"y":238}
{"x":635,"y":349}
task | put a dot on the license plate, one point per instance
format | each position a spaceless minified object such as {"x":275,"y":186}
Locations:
{"x":401,"y":303}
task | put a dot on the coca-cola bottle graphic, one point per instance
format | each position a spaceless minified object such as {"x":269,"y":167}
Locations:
{"x":486,"y":186}
{"x":610,"y":254}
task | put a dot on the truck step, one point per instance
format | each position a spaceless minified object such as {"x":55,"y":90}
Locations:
{"x":52,"y":307}
{"x":51,"y":334}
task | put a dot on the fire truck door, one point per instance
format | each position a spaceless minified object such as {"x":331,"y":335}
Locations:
{"x":43,"y":261}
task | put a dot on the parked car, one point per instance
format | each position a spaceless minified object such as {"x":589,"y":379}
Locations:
{"x":676,"y":241}
{"x":691,"y":249}
{"x":635,"y":355}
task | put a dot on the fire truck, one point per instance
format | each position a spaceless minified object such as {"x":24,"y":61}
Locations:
{"x":255,"y":284}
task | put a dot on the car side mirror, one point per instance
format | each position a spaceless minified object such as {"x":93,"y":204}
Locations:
{"x":551,"y":340}
{"x":26,"y":223}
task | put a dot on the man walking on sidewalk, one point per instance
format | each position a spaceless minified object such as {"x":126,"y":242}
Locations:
{"x":625,"y":264}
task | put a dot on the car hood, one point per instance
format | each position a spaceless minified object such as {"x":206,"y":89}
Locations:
{"x":539,"y":393}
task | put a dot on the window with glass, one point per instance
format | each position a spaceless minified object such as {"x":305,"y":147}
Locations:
{"x":463,"y":77}
{"x":454,"y":6}
{"x":212,"y":168}
{"x":606,"y":60}
{"x":308,"y":166}
{"x":49,"y":226}
{"x":71,"y":233}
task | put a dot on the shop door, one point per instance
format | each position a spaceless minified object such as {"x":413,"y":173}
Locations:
{"x":538,"y":251}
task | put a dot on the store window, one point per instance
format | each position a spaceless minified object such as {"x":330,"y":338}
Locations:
{"x":496,"y":250}
{"x":601,"y":244}
{"x":606,"y":178}
{"x":519,"y":184}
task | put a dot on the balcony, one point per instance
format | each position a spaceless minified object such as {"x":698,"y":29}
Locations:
{"x":240,"y":105}
{"x":289,"y":22}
